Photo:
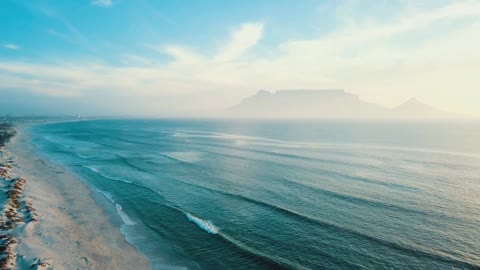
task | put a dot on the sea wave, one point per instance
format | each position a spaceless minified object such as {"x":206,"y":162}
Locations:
{"x":203,"y":224}
{"x":93,"y":169}
{"x":325,"y":169}
{"x":416,"y":251}
{"x":125,"y":218}
{"x":274,"y":262}
{"x":96,"y":170}
{"x":50,"y":139}
{"x":312,"y":145}
{"x":81,"y":156}
{"x":183,"y":156}
{"x":70,"y":143}
{"x":127,"y":162}
{"x":209,"y":227}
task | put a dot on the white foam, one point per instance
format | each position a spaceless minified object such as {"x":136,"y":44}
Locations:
{"x":93,"y":169}
{"x":203,"y":224}
{"x":81,"y":156}
{"x":125,"y":218}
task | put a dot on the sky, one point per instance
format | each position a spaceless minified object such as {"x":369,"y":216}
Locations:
{"x":194,"y":57}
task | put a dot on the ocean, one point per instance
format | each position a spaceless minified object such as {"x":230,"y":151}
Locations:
{"x":218,"y":194}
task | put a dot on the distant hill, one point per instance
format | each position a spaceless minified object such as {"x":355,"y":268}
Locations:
{"x":414,"y":108}
{"x":323,"y":104}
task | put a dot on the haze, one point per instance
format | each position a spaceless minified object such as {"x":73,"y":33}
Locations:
{"x":194,"y":58}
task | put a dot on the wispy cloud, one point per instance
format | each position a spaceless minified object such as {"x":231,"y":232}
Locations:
{"x":102,"y":3}
{"x":72,"y":35}
{"x":182,"y":55}
{"x":243,"y":39}
{"x":11,"y":46}
{"x":133,"y":59}
{"x":67,"y":31}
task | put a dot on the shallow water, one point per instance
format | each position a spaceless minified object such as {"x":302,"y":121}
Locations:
{"x":294,"y":195}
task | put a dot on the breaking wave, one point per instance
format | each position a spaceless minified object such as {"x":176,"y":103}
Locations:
{"x":125,"y":218}
{"x":203,"y":224}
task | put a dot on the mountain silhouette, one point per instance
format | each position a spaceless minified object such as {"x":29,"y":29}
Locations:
{"x":324,"y":104}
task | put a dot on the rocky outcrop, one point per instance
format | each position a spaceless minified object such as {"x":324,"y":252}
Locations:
{"x":6,"y":133}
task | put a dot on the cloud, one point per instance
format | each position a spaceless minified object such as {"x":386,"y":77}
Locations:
{"x":410,"y":54}
{"x":133,"y":59}
{"x":64,"y":28}
{"x":102,"y":3}
{"x":11,"y":46}
{"x":182,"y":55}
{"x":244,"y":38}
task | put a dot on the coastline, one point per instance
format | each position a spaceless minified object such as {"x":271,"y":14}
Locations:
{"x":72,"y":231}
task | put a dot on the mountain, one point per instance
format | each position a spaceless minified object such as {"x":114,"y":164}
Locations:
{"x":305,"y":104}
{"x":288,"y":104}
{"x":414,"y":108}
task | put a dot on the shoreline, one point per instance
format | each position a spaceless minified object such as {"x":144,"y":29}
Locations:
{"x":72,"y":231}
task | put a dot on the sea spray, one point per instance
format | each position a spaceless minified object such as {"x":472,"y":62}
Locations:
{"x":203,"y":224}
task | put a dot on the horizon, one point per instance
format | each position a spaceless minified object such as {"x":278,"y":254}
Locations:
{"x":196,"y":58}
{"x":223,"y":114}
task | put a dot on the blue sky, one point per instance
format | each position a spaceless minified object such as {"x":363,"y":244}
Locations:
{"x":105,"y":30}
{"x":180,"y":57}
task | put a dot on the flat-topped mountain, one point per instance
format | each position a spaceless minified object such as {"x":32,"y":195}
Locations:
{"x":323,"y":104}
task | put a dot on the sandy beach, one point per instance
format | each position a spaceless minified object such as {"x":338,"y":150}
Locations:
{"x":60,"y":224}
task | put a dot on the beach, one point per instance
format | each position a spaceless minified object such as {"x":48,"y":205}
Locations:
{"x":66,"y":228}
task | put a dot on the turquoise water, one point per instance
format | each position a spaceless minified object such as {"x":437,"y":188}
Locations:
{"x":283,"y":195}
